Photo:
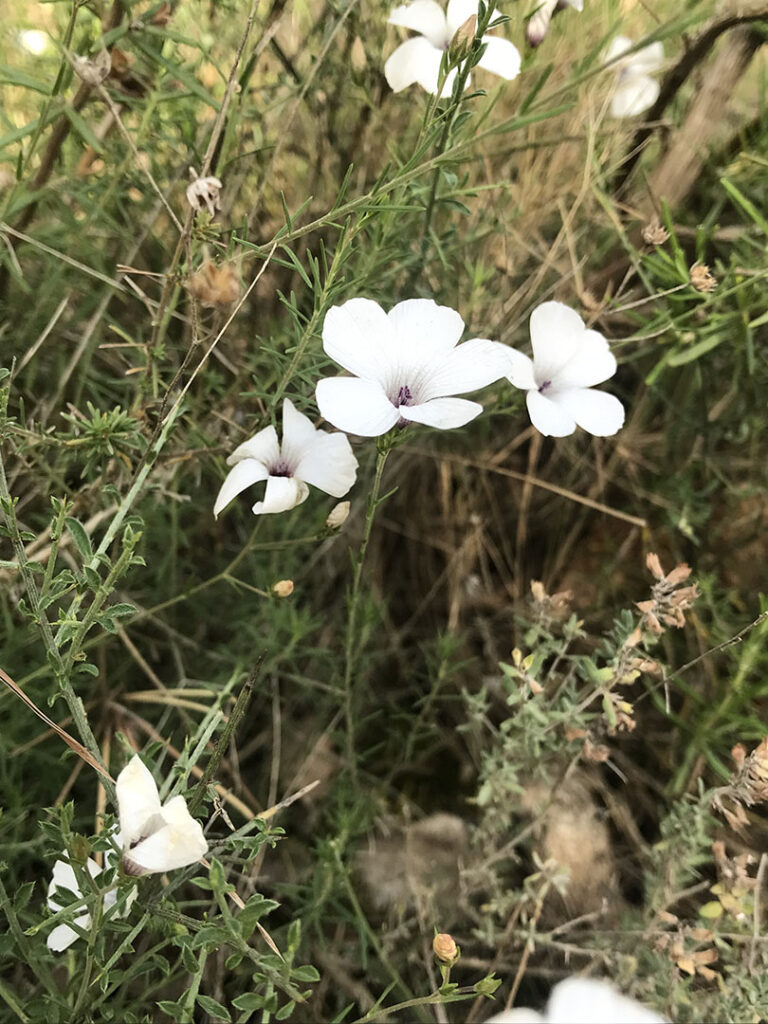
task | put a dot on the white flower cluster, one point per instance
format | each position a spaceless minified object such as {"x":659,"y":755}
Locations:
{"x":582,"y":1001}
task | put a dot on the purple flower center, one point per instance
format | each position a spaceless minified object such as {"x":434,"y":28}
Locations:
{"x":281,"y":469}
{"x":545,"y":386}
{"x":404,"y":396}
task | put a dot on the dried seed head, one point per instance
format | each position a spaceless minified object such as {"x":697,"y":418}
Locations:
{"x":702,"y":279}
{"x":93,"y":70}
{"x":461,"y":44}
{"x":654,"y":565}
{"x":338,"y":515}
{"x":283,"y":588}
{"x":655,"y":234}
{"x":215,"y":286}
{"x":445,"y":949}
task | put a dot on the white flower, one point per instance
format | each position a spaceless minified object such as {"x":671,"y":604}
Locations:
{"x":204,"y":192}
{"x":418,"y":59}
{"x":582,"y":1001}
{"x":406,"y":364}
{"x":154,"y":837}
{"x":306,"y":456}
{"x":567,"y":360}
{"x":538,"y":23}
{"x":635,"y":90}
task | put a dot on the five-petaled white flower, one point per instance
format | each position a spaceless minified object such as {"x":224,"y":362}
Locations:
{"x":418,"y":59}
{"x":567,"y":361}
{"x":204,"y":192}
{"x":538,"y":23}
{"x":306,"y":456}
{"x":407,"y":363}
{"x":635,"y":90}
{"x":155,"y":837}
{"x":582,"y":1001}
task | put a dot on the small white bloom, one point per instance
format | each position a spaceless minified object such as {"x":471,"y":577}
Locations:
{"x":582,"y":1001}
{"x":33,"y":40}
{"x":204,"y":192}
{"x":154,"y":837}
{"x":567,"y":361}
{"x":635,"y":89}
{"x":407,"y":363}
{"x":418,"y":59}
{"x":306,"y":456}
{"x":538,"y":23}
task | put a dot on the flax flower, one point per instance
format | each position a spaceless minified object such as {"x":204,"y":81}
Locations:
{"x":418,"y":59}
{"x":567,"y":361}
{"x":64,"y":877}
{"x":407,"y":365}
{"x":538,"y":23}
{"x":635,"y":90}
{"x":582,"y":1001}
{"x":155,"y":837}
{"x":306,"y":456}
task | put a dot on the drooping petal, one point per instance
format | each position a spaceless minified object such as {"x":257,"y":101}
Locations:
{"x":423,"y":331}
{"x":538,"y":23}
{"x":425,"y":17}
{"x":556,"y":331}
{"x":239,"y":477}
{"x":457,"y":13}
{"x":633,"y":95}
{"x":138,"y":801}
{"x":548,"y":416}
{"x":282,"y":494}
{"x":594,"y":411}
{"x":444,"y":413}
{"x":263,"y":446}
{"x":329,"y":464}
{"x":587,"y":1001}
{"x":358,"y":336}
{"x":177,"y":844}
{"x":417,"y":60}
{"x":521,"y":371}
{"x":472,"y":365}
{"x":356,"y":406}
{"x":592,"y":363}
{"x":299,"y":435}
{"x":500,"y":58}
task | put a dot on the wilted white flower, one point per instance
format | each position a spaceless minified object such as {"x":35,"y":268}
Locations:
{"x":418,"y":59}
{"x":306,"y":456}
{"x":567,"y":361}
{"x":155,"y":837}
{"x":582,"y":1001}
{"x":635,"y":89}
{"x":538,"y":23}
{"x":204,"y":192}
{"x":407,"y":363}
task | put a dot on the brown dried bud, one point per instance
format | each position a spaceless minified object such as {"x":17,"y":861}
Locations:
{"x":338,"y":515}
{"x":283,"y":588}
{"x":93,"y":70}
{"x":702,"y":279}
{"x":680,"y":573}
{"x":461,"y":44}
{"x":445,"y":949}
{"x":739,"y":754}
{"x":357,"y":57}
{"x":215,"y":286}
{"x":654,"y":565}
{"x":163,"y":15}
{"x":596,"y":752}
{"x":655,"y":234}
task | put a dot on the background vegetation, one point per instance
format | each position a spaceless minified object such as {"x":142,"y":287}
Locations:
{"x":528,"y":765}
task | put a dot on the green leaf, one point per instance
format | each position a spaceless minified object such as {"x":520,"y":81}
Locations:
{"x":214,"y":1009}
{"x":248,"y":1001}
{"x":688,"y":355}
{"x":711,"y":910}
{"x":746,"y":205}
{"x":285,"y":1011}
{"x":306,"y":973}
{"x":82,"y":129}
{"x":15,"y":77}
{"x":80,"y":537}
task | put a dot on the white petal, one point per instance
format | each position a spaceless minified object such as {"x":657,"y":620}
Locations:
{"x":500,"y":58}
{"x":549,"y":418}
{"x":62,"y":877}
{"x":618,"y":46}
{"x":299,"y":434}
{"x":648,"y":60}
{"x":239,"y":477}
{"x":282,"y":494}
{"x":137,"y":799}
{"x":518,"y":1015}
{"x":356,"y":406}
{"x":586,"y":1001}
{"x":556,"y":330}
{"x":425,"y":17}
{"x":417,"y":60}
{"x":177,"y":844}
{"x":633,"y":95}
{"x":591,"y":363}
{"x":457,"y":13}
{"x":329,"y":464}
{"x":521,"y":371}
{"x":423,"y":331}
{"x":63,"y":936}
{"x":358,"y":336}
{"x":263,"y":446}
{"x":444,"y":413}
{"x":474,"y":364}
{"x":594,"y":411}
{"x":538,"y":23}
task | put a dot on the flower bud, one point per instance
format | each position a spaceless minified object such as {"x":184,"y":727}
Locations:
{"x":204,"y":192}
{"x":357,"y":57}
{"x":283,"y":588}
{"x":702,"y":279}
{"x":445,"y":949}
{"x":461,"y":44}
{"x":338,"y":515}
